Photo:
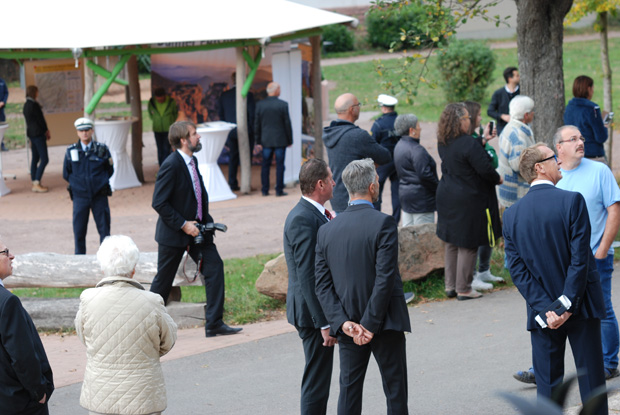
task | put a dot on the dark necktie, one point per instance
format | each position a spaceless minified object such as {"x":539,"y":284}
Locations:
{"x":328,"y":215}
{"x":196,"y":189}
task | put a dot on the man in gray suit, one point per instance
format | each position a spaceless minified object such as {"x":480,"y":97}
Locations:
{"x":302,"y":307}
{"x":361,"y":292}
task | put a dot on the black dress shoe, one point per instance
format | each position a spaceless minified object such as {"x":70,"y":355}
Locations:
{"x":450,"y":293}
{"x":223,"y":330}
{"x":265,"y":193}
{"x":281,"y":194}
{"x":234,"y":188}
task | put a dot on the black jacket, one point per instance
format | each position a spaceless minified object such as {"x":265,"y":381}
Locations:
{"x":35,"y":121}
{"x":417,"y":174}
{"x":272,"y":123}
{"x":499,"y":105}
{"x":228,"y":111}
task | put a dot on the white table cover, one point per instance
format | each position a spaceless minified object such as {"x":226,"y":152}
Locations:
{"x":3,"y":189}
{"x":213,"y":137}
{"x":113,"y":133}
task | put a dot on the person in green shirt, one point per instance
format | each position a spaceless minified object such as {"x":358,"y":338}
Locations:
{"x":163,"y":111}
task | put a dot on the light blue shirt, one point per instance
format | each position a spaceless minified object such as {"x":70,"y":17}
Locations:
{"x":597,"y":185}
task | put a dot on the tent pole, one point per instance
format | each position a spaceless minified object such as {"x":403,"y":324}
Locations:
{"x":315,"y":42}
{"x":136,"y":111}
{"x":89,"y":87}
{"x":104,"y":88}
{"x":104,"y":72}
{"x":245,"y":160}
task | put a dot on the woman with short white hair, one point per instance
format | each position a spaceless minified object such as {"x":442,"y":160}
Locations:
{"x":125,"y":329}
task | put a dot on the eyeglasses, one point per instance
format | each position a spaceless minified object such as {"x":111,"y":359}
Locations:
{"x":356,"y":105}
{"x":573,"y":139}
{"x":5,"y":252}
{"x":549,"y":158}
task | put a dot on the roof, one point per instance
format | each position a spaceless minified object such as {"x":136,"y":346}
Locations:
{"x":66,"y":24}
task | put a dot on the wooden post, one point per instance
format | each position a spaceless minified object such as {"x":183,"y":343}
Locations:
{"x":245,"y":161}
{"x":136,"y":111}
{"x":89,"y":88}
{"x":315,"y":42}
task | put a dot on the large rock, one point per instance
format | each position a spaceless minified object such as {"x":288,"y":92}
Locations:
{"x":420,"y":251}
{"x":273,"y":281}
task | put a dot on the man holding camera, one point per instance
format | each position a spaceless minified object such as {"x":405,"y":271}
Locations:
{"x":181,"y":200}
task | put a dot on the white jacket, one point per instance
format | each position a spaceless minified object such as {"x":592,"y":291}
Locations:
{"x":125,"y":330}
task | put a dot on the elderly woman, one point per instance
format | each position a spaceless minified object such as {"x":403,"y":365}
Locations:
{"x":586,"y":116}
{"x":417,"y":173}
{"x":38,"y":134}
{"x":515,"y":137}
{"x":125,"y":329}
{"x":462,"y":199}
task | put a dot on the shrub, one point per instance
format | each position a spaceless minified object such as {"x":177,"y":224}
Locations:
{"x":410,"y":26}
{"x":466,"y":69}
{"x":339,"y":36}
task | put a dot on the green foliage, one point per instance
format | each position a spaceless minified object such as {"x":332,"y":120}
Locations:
{"x":466,"y":69}
{"x":414,"y":25}
{"x":339,"y":37}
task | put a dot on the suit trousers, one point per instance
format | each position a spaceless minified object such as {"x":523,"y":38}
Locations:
{"x":81,"y":211}
{"x":459,"y":268}
{"x":388,"y":348}
{"x":388,"y":171}
{"x":163,"y":146}
{"x":317,"y":372}
{"x":548,"y":350}
{"x":168,"y":259}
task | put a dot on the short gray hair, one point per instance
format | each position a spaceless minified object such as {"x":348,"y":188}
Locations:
{"x":405,"y":122}
{"x":118,"y":256}
{"x":519,"y":105}
{"x":557,"y":137}
{"x":358,"y":176}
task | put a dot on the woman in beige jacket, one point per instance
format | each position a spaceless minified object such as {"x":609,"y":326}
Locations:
{"x":125,"y":329}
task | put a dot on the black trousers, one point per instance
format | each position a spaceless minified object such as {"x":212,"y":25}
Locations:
{"x":82,"y":207}
{"x":388,"y":348}
{"x":317,"y":372}
{"x":168,"y":259}
{"x":232,"y":143}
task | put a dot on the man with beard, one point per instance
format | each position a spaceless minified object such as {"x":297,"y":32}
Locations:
{"x":181,"y":200}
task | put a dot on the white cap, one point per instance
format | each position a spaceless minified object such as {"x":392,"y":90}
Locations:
{"x":83,"y":124}
{"x":387,"y":100}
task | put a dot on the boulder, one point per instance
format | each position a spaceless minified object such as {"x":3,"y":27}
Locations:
{"x":273,"y":281}
{"x":420,"y":251}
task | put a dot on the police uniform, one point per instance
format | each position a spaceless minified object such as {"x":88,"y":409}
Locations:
{"x":88,"y":173}
{"x":383,"y":132}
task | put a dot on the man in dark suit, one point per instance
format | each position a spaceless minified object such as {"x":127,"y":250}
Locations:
{"x":181,"y":200}
{"x":273,"y":133}
{"x":26,"y":382}
{"x":228,"y":113}
{"x":547,"y":243}
{"x":302,"y":306}
{"x":361,"y":293}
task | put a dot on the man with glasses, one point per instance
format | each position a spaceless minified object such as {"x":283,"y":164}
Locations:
{"x":88,"y":168}
{"x":557,"y":268}
{"x":26,"y":381}
{"x":346,"y":142}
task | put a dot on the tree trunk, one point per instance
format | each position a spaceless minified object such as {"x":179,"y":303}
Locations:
{"x":136,"y":111}
{"x":245,"y":160}
{"x":607,"y":94}
{"x":539,"y":43}
{"x":315,"y":41}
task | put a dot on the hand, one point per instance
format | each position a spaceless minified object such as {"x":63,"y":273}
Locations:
{"x":601,"y":253}
{"x":190,"y":228}
{"x":48,"y":135}
{"x":364,"y":338}
{"x":42,"y":401}
{"x":501,"y":180}
{"x":505,"y":117}
{"x":2,"y":104}
{"x":554,"y":321}
{"x":259,"y":147}
{"x":328,"y":341}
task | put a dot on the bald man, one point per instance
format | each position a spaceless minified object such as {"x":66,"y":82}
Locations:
{"x":273,"y":133}
{"x":346,"y":142}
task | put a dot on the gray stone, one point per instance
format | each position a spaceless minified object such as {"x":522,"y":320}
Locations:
{"x":273,"y":281}
{"x":420,"y":251}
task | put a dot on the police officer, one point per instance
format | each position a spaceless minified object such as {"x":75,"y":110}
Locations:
{"x":383,"y":132}
{"x":88,"y":168}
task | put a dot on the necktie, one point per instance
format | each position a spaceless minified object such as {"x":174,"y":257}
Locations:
{"x":196,"y":189}
{"x":328,"y":215}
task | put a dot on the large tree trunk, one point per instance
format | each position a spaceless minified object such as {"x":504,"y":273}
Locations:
{"x":539,"y":44}
{"x":607,"y":94}
{"x":136,"y":111}
{"x":245,"y":157}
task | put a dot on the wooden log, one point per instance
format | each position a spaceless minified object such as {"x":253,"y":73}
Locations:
{"x":44,"y":269}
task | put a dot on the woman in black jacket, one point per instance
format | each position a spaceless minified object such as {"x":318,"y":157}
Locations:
{"x":37,"y":132}
{"x":417,"y":173}
{"x":462,"y":199}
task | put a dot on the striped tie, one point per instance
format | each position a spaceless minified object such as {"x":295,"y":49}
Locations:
{"x":197,"y":189}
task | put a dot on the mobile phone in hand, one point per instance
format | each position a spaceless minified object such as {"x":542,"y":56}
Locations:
{"x":491,"y":127}
{"x":608,"y":118}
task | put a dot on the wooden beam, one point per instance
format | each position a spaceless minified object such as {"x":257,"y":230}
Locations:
{"x":106,"y":85}
{"x":245,"y":160}
{"x":136,"y":111}
{"x":253,"y":64}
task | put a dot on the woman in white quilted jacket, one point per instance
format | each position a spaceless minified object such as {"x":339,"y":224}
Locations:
{"x":125,"y":329}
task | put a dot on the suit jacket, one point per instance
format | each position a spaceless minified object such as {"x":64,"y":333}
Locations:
{"x":25,"y":374}
{"x":228,"y":111}
{"x":547,"y":243}
{"x":175,"y":201}
{"x":272,"y":123}
{"x":357,"y":275}
{"x":300,"y":230}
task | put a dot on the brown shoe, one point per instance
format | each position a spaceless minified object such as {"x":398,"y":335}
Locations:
{"x":37,"y":188}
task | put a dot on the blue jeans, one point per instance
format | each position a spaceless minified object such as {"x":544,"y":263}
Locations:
{"x":268,"y":153}
{"x":609,"y":325}
{"x":39,"y":157}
